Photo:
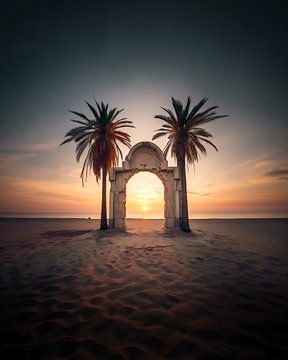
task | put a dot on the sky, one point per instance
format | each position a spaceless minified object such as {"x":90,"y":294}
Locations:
{"x":55,"y":55}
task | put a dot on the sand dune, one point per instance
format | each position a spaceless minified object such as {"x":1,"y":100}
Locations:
{"x":68,"y":291}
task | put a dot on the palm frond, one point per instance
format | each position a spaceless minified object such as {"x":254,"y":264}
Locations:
{"x":66,"y":141}
{"x":170,"y":113}
{"x":83,"y":116}
{"x":159,"y":134}
{"x":75,"y":131}
{"x":184,"y":136}
{"x":167,"y":147}
{"x":208,"y":119}
{"x":178,"y":108}
{"x":98,"y":106}
{"x":168,"y":119}
{"x":122,"y":119}
{"x":209,"y":142}
{"x":201,"y":132}
{"x":166,"y":131}
{"x":186,"y":110}
{"x":110,"y":115}
{"x":79,"y":122}
{"x":116,"y":113}
{"x":93,"y":110}
{"x":80,"y":148}
{"x":125,"y":126}
{"x":119,"y":150}
{"x":101,"y":137}
{"x":196,"y":109}
{"x":81,"y":136}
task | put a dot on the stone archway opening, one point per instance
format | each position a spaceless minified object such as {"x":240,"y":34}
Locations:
{"x":145,"y":201}
{"x":144,"y":156}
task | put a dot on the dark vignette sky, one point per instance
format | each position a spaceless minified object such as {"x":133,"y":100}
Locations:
{"x":57,"y":54}
{"x":221,"y":45}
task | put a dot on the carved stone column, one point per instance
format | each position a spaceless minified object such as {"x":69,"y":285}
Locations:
{"x":144,"y":156}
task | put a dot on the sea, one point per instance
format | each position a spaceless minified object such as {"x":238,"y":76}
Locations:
{"x":95,"y":215}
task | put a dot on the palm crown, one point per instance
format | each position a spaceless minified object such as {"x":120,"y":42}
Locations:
{"x":185,"y":136}
{"x":100,"y":135}
{"x":185,"y":139}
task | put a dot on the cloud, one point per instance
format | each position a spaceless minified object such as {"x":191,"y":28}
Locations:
{"x":41,"y":146}
{"x":16,"y":148}
{"x":283,"y":178}
{"x":58,"y":196}
{"x":277,"y":172}
{"x":19,"y":153}
{"x":144,"y":198}
{"x":8,"y":160}
{"x":197,"y":193}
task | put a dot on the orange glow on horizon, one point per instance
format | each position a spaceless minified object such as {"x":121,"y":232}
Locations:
{"x":144,"y":196}
{"x":213,"y":188}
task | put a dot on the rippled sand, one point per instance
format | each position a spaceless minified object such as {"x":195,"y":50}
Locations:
{"x":68,"y":291}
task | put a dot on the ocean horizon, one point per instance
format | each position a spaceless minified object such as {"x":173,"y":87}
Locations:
{"x":91,"y":215}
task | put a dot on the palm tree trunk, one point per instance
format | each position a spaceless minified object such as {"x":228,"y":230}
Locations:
{"x":184,"y":220}
{"x":103,"y":222}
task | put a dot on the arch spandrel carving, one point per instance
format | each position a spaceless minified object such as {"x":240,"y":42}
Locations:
{"x":144,"y":156}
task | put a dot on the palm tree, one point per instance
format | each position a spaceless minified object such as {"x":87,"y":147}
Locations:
{"x":100,"y":136}
{"x":185,"y":137}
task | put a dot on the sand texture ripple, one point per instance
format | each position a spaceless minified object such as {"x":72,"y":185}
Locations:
{"x":70,"y":291}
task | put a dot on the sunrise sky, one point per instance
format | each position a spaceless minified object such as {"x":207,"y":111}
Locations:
{"x":57,"y":55}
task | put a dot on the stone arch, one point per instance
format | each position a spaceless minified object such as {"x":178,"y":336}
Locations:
{"x":144,"y":156}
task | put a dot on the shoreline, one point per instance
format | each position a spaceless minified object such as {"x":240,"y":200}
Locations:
{"x":144,"y":219}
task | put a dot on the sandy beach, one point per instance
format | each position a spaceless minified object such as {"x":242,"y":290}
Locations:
{"x":70,"y":291}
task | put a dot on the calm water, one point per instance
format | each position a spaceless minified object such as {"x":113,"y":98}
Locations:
{"x":95,"y":215}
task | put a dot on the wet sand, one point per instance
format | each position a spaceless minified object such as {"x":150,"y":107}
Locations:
{"x":70,"y":291}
